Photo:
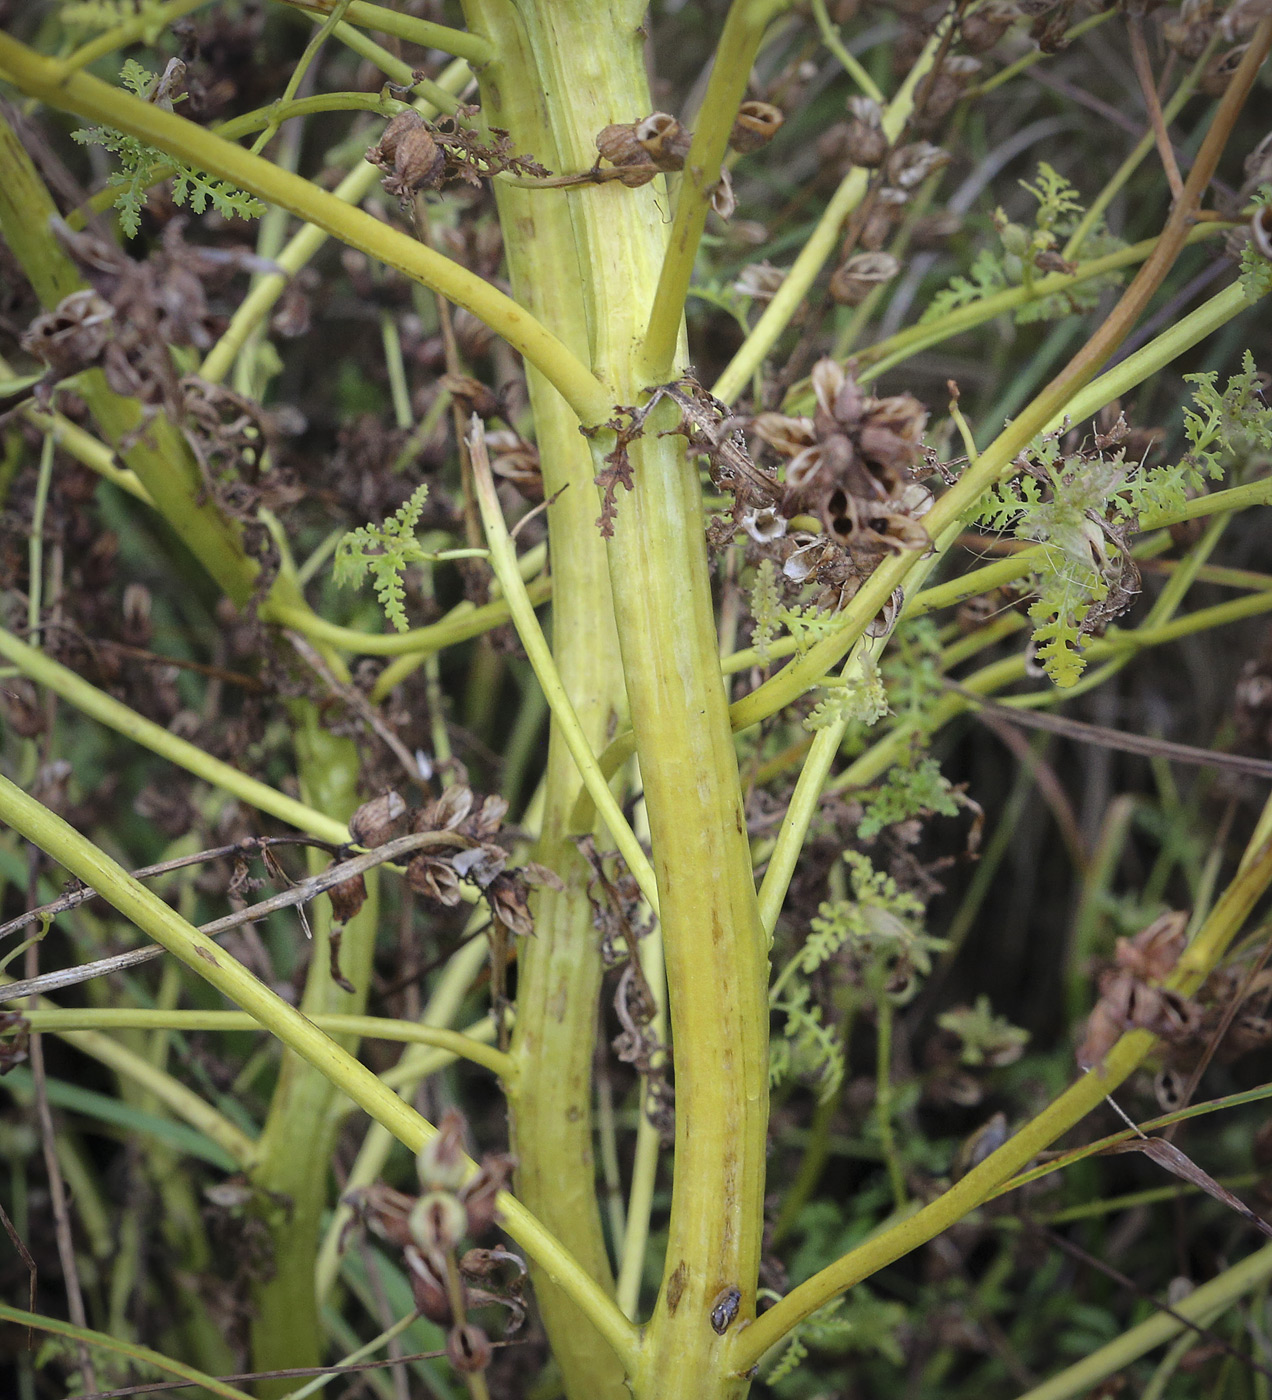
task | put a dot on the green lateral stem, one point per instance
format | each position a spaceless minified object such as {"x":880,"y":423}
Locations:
{"x":559,"y":970}
{"x":419,"y":642}
{"x":463,"y":1045}
{"x":117,"y":716}
{"x":302,"y":246}
{"x":97,"y":101}
{"x":298,"y":1141}
{"x":130,"y":1350}
{"x":1078,"y":402}
{"x":214,"y":965}
{"x":503,"y":560}
{"x":74,"y":1027}
{"x":730,"y":72}
{"x":460,"y":42}
{"x":815,"y":253}
{"x":1074,"y":1104}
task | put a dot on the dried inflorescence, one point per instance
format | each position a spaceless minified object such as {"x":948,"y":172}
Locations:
{"x":418,"y":155}
{"x":453,"y":1205}
{"x":850,"y":466}
{"x":619,"y":917}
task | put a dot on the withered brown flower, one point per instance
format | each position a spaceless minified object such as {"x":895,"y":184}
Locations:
{"x":848,"y":464}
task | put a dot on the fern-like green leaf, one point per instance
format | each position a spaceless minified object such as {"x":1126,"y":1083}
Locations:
{"x":384,"y":551}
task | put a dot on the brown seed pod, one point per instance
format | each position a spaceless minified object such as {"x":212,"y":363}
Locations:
{"x":617,"y":144}
{"x":408,"y":152}
{"x":1220,"y":70}
{"x":665,"y":141}
{"x":982,"y":30}
{"x":854,"y":280}
{"x":882,"y":218}
{"x":347,"y":898}
{"x":375,"y":822}
{"x":468,"y":1348}
{"x":909,"y":166}
{"x":755,"y":125}
{"x":865,"y":142}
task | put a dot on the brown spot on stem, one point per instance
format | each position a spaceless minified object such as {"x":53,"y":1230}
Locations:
{"x":207,"y":957}
{"x":717,"y":932}
{"x":676,"y":1286}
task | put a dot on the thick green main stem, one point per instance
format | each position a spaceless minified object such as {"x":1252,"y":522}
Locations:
{"x":559,"y":970}
{"x":589,"y":61}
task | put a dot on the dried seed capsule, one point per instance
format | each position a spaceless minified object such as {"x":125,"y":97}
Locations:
{"x":437,"y":1222}
{"x":982,"y":30}
{"x":440,"y":1162}
{"x":375,"y":822}
{"x":854,"y":280}
{"x":865,"y":141}
{"x":618,"y":144}
{"x":665,"y":141}
{"x":347,"y":898}
{"x":882,"y":218}
{"x":909,"y":166}
{"x":755,"y":125}
{"x":468,"y":1348}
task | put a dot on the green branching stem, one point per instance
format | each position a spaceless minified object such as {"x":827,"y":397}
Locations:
{"x":117,"y":716}
{"x":97,"y":101}
{"x":463,"y":1045}
{"x":1075,"y":401}
{"x":821,"y":244}
{"x":879,"y":358}
{"x":214,"y":965}
{"x":131,"y":1351}
{"x":851,"y":65}
{"x":1075,"y":1103}
{"x":503,"y":560}
{"x":739,"y":42}
{"x":146,"y":23}
{"x":85,"y":1031}
{"x":474,"y":47}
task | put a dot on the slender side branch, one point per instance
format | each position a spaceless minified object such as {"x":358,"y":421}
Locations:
{"x":503,"y":559}
{"x":419,"y":641}
{"x":94,"y":100}
{"x":1073,"y":1105}
{"x":464,"y":1045}
{"x":739,"y":43}
{"x":117,"y":716}
{"x":461,"y":42}
{"x":1051,"y":406}
{"x":812,"y":258}
{"x":211,"y":962}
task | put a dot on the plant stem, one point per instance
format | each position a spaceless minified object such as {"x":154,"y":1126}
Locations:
{"x":814,"y":254}
{"x":119,"y":717}
{"x":89,"y":98}
{"x":477,"y":49}
{"x":559,"y":971}
{"x":739,"y":42}
{"x":1078,"y":1100}
{"x":212,"y":963}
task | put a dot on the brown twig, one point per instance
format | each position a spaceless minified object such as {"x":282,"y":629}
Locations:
{"x":299,"y":893}
{"x":357,"y":702}
{"x":1085,"y":733}
{"x":1144,"y":72}
{"x":253,"y":845}
{"x":48,"y":1145}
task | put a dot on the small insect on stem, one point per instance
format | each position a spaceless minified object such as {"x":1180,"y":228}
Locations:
{"x":725,"y":1309}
